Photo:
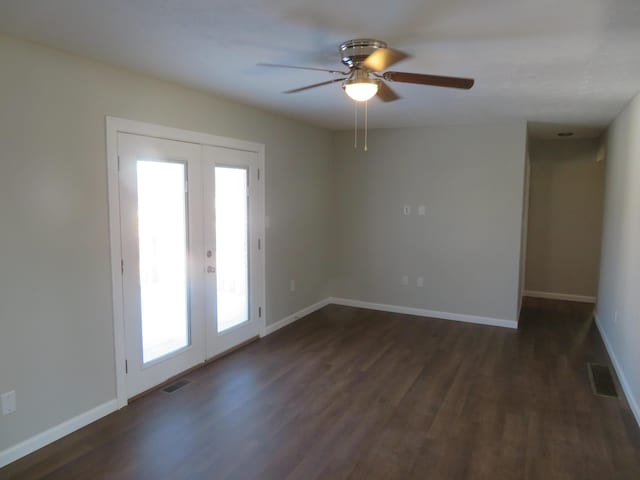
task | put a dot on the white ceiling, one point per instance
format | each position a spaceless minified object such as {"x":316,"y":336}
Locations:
{"x":565,"y":62}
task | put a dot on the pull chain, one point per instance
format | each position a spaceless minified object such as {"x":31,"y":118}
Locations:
{"x":366,"y":123}
{"x":366,"y":126}
{"x":355,"y":139}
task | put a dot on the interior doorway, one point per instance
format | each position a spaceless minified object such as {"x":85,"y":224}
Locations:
{"x":566,"y":202}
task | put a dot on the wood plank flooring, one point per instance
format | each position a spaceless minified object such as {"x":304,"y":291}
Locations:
{"x":348,"y":393}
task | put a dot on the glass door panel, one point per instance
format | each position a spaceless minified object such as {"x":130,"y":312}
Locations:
{"x":232,"y":253}
{"x":162,"y":237}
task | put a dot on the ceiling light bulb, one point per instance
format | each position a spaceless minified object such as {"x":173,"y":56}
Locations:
{"x":360,"y":87}
{"x":361,"y":92}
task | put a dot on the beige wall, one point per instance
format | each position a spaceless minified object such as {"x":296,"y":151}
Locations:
{"x":565,"y":217}
{"x":467,"y":245}
{"x":56,"y":335}
{"x":619,"y":290}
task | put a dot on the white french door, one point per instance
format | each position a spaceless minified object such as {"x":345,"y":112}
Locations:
{"x":231,"y":207}
{"x":191,"y":266}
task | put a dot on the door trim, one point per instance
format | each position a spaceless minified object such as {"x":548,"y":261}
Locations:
{"x":115,"y":125}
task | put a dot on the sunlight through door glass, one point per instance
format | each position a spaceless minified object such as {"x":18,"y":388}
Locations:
{"x":162,"y":232}
{"x":231,"y":246}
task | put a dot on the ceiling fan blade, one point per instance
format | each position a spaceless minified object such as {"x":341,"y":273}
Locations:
{"x":315,"y":85}
{"x":302,"y":68}
{"x":435,"y":80}
{"x":386,"y":93}
{"x":383,"y":58}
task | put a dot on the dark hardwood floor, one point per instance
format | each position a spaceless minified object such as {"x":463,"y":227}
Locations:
{"x":356,"y":394}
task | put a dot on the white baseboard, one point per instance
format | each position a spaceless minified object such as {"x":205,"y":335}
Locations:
{"x":459,"y":317}
{"x":559,"y":296}
{"x":269,"y":329}
{"x":38,"y":441}
{"x":633,"y":403}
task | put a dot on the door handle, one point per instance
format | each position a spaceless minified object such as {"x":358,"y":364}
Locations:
{"x":211,"y":269}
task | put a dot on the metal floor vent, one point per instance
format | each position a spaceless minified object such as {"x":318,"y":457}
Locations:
{"x":176,"y":385}
{"x":602,"y":382}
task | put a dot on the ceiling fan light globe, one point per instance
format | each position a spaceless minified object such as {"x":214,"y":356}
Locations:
{"x":361,"y":92}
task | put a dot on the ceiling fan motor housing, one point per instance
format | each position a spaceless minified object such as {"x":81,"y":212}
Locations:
{"x":354,"y":52}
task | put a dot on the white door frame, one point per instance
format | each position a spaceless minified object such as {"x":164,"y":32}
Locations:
{"x":116,"y":125}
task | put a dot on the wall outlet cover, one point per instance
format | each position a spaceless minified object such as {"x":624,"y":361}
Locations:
{"x":8,"y":401}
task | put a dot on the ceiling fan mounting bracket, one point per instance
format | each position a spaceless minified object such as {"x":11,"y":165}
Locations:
{"x":354,"y":52}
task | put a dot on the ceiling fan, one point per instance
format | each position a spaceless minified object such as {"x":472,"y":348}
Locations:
{"x":366,"y":59}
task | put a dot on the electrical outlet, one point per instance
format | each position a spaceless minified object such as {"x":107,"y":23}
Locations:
{"x":420,"y":282}
{"x":422,"y":210}
{"x":405,"y":280}
{"x":407,"y":209}
{"x":615,"y":317}
{"x":292,"y":286}
{"x":8,"y":401}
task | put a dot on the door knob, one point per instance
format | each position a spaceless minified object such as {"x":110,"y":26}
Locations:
{"x":211,"y":269}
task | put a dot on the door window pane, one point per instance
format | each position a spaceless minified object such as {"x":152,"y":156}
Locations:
{"x":162,"y":232}
{"x":231,"y":246}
